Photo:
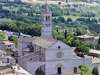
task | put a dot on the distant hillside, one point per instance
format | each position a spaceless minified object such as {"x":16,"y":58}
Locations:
{"x":57,"y":1}
{"x":85,"y":0}
{"x":50,"y":1}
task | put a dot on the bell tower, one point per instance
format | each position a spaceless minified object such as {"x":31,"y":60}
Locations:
{"x":46,"y":22}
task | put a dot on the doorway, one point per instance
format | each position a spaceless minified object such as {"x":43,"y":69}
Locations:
{"x":75,"y":69}
{"x":59,"y":70}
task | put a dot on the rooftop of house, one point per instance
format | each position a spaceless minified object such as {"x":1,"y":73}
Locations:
{"x":16,"y":70}
{"x":1,"y":42}
{"x":96,"y":37}
{"x":95,"y":51}
{"x":43,"y":42}
{"x":8,"y":43}
{"x":2,"y":52}
{"x":3,"y":64}
{"x":85,"y":36}
{"x":96,"y":60}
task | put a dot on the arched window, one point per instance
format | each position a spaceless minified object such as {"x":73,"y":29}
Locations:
{"x":47,"y":18}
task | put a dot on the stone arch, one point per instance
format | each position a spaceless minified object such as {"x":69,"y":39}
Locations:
{"x":60,"y":65}
{"x":40,"y":70}
{"x":32,"y":68}
{"x":59,"y":68}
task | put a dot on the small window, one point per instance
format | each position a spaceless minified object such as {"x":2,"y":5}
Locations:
{"x":46,"y":18}
{"x":59,"y":47}
{"x":46,"y":25}
{"x":9,"y":45}
{"x":75,"y":69}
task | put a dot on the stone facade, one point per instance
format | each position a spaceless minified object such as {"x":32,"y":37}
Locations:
{"x":57,"y":58}
{"x":46,"y":23}
{"x":6,"y":45}
{"x":48,"y":56}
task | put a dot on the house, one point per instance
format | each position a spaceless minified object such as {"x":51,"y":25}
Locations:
{"x":9,"y":44}
{"x":94,"y":53}
{"x":14,"y":70}
{"x":88,"y":38}
{"x":5,"y":60}
{"x":4,"y":44}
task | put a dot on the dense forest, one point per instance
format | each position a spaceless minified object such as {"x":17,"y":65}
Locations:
{"x":31,"y":29}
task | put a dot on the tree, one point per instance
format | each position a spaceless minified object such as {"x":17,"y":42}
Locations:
{"x":88,"y":20}
{"x":84,"y":70}
{"x":97,"y":47}
{"x":79,"y":31}
{"x":90,"y":45}
{"x":69,"y":40}
{"x":61,"y":19}
{"x":95,"y":71}
{"x":2,"y":36}
{"x":65,"y":34}
{"x":68,"y":5}
{"x":69,"y":20}
{"x":68,"y":13}
{"x":75,"y":43}
{"x":82,"y":49}
{"x":94,"y":20}
{"x":14,"y":39}
{"x":99,"y":40}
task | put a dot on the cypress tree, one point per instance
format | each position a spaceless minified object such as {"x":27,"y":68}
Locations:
{"x":95,"y":71}
{"x":65,"y":35}
{"x":99,"y":40}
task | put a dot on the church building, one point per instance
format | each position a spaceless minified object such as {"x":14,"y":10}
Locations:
{"x":46,"y":55}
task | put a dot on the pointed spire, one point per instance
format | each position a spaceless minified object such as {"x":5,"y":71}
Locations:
{"x":46,"y":2}
{"x":46,"y":8}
